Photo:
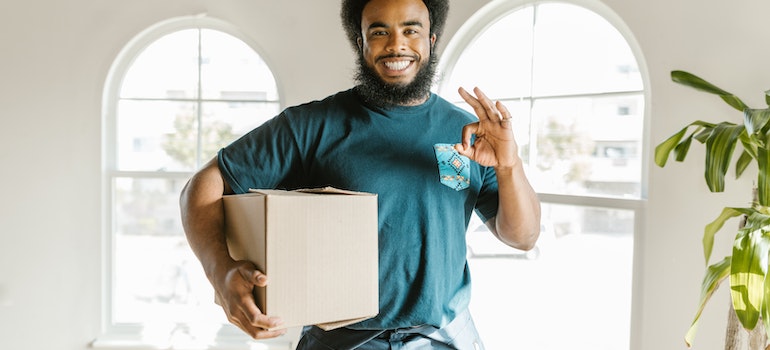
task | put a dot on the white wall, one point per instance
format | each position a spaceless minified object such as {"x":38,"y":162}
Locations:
{"x":55,"y":56}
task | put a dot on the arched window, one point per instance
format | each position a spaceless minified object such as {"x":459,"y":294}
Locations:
{"x":573,"y":79}
{"x":176,"y":94}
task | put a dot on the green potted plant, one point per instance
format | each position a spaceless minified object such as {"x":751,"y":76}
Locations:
{"x":746,"y":269}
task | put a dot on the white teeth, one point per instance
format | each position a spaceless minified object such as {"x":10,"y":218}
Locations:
{"x":398,"y":65}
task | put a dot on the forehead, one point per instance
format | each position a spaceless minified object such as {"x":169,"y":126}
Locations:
{"x":390,"y":12}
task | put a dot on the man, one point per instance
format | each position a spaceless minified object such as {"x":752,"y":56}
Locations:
{"x":391,"y":136}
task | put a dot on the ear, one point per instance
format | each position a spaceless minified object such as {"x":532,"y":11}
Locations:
{"x":432,"y":40}
{"x":360,"y":43}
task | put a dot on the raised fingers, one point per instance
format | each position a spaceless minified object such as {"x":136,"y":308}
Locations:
{"x":488,"y":105}
{"x":504,"y":113}
{"x":474,"y":103}
{"x":484,"y":107}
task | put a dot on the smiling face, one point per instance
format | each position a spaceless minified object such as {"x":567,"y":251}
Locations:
{"x":396,"y":41}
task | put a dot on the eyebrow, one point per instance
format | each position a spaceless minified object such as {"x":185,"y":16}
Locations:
{"x":405,"y":24}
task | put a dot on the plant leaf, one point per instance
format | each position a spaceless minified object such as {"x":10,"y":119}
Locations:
{"x":712,"y":228}
{"x":693,"y":81}
{"x":756,"y":121}
{"x":673,"y":142}
{"x":680,"y":151}
{"x":715,"y":274}
{"x":743,"y":162}
{"x":747,"y":275}
{"x":756,"y":220}
{"x":749,"y":145}
{"x":664,"y":148}
{"x":763,"y":183}
{"x":766,"y":308}
{"x":703,"y":134}
{"x":719,"y":150}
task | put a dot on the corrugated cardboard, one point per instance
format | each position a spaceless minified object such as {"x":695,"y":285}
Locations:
{"x":318,"y":249}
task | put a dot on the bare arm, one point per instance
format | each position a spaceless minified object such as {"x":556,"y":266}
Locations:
{"x":233,"y":281}
{"x":517,"y":223}
{"x":518,"y":217}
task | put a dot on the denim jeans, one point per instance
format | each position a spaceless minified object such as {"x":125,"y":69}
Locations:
{"x":460,"y":334}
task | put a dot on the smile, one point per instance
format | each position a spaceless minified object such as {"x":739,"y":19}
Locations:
{"x":397,"y":65}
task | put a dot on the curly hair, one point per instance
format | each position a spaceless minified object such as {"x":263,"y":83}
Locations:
{"x":352,"y":10}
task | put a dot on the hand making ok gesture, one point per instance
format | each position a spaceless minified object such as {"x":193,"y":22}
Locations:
{"x":494,"y":145}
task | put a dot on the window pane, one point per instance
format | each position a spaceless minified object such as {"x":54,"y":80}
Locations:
{"x":231,"y":70}
{"x":163,"y":136}
{"x":157,"y":136}
{"x":498,"y":61}
{"x":168,"y":68}
{"x":581,"y":277}
{"x":157,"y":277}
{"x":588,"y":146}
{"x":241,"y":116}
{"x":224,"y":122}
{"x":164,"y":126}
{"x":578,"y":51}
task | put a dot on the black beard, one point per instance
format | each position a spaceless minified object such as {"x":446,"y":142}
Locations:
{"x":377,"y":92}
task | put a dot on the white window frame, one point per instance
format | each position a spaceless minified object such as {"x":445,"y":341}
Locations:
{"x":496,"y":9}
{"x":133,"y":336}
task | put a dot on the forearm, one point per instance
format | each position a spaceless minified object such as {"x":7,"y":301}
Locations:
{"x":518,"y":216}
{"x":203,"y":220}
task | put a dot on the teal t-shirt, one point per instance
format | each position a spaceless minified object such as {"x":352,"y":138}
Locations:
{"x":344,"y":143}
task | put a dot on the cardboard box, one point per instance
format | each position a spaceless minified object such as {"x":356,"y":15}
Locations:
{"x":319,"y":249}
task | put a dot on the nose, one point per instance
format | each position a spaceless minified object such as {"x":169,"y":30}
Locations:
{"x":396,"y":42}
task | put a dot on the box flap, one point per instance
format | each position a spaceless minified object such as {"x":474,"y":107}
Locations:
{"x":301,"y":191}
{"x":332,"y":190}
{"x":267,"y":192}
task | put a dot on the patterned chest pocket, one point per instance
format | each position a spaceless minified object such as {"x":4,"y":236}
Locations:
{"x":454,"y":169}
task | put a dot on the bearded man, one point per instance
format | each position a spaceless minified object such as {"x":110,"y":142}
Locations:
{"x":386,"y":136}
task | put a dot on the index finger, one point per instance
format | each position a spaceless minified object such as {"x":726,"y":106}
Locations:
{"x":474,"y":103}
{"x":489,"y":106}
{"x":484,"y":107}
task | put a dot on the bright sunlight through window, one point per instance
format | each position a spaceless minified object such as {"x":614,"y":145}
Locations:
{"x":183,"y":94}
{"x":575,"y":90}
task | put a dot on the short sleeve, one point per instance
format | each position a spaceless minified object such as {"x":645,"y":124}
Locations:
{"x":264,"y":158}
